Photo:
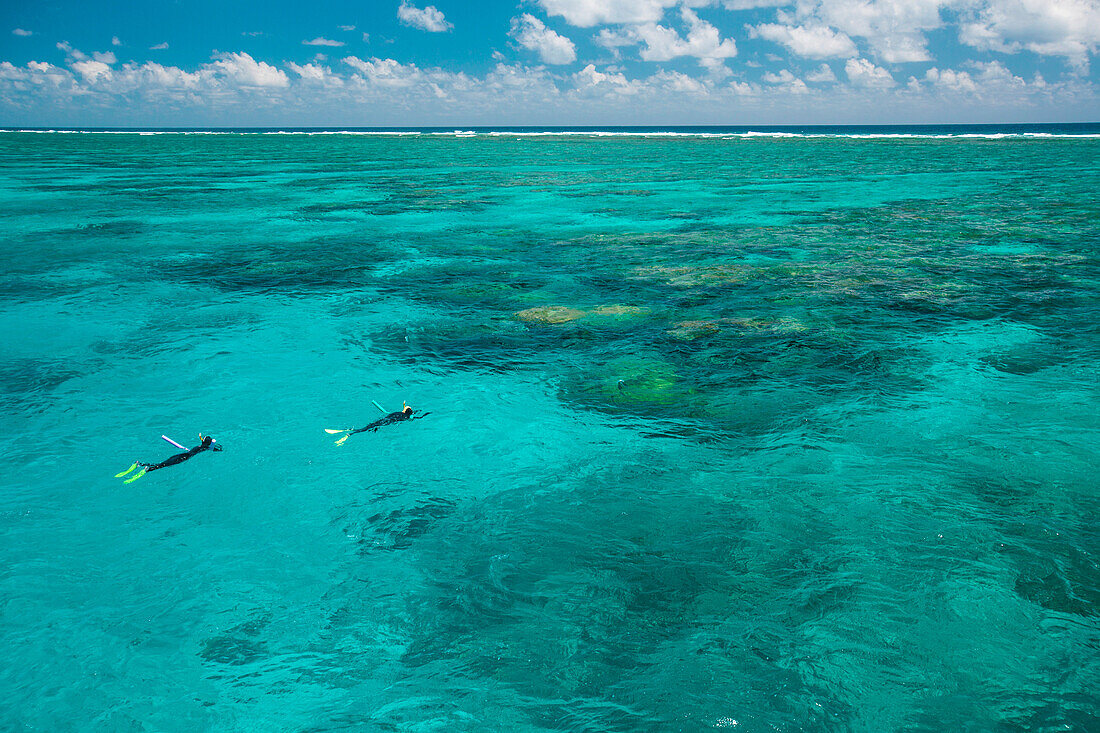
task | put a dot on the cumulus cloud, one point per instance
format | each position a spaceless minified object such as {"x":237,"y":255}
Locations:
{"x":385,"y":72}
{"x":35,"y":78}
{"x":553,"y":48}
{"x":990,"y":79}
{"x":316,"y":73}
{"x":1067,"y":28}
{"x":389,"y":91}
{"x":821,"y":75}
{"x":427,"y":19}
{"x":322,"y":42}
{"x":152,"y":77}
{"x":894,"y":29}
{"x":815,"y":42}
{"x":92,"y":71}
{"x":862,"y":73}
{"x":70,"y":52}
{"x":781,"y":77}
{"x":674,"y":81}
{"x":588,"y":13}
{"x":243,"y":70}
{"x":703,"y":41}
{"x":159,"y":47}
{"x":21,"y":32}
{"x":106,"y":57}
{"x":115,"y":41}
{"x":346,"y":27}
{"x":753,"y":4}
{"x":950,"y":79}
{"x":784,"y":78}
{"x":662,"y":43}
{"x":589,"y":81}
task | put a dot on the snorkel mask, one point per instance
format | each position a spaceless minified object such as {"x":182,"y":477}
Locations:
{"x":212,"y":444}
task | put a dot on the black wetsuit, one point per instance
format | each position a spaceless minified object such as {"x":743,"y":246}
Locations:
{"x":207,"y":444}
{"x":393,"y":417}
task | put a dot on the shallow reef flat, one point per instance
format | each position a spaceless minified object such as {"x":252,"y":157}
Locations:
{"x":759,"y":434}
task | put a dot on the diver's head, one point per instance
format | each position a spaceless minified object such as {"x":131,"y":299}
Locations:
{"x":406,"y":410}
{"x":208,"y":442}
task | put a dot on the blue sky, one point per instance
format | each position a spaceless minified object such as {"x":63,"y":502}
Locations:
{"x":561,"y":62}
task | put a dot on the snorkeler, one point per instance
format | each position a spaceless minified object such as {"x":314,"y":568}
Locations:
{"x":207,"y":444}
{"x":406,"y":413}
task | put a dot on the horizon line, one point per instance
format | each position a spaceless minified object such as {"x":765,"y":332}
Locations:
{"x":456,"y":127}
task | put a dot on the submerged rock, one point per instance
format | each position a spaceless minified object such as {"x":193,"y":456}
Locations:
{"x":631,"y":382}
{"x":554,"y":314}
{"x":550,"y":314}
{"x":617,"y":310}
{"x":689,"y":330}
{"x":689,"y":277}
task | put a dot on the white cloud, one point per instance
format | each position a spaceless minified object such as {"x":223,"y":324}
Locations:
{"x":716,"y":68}
{"x":815,"y":42}
{"x":1068,"y":28}
{"x":386,"y":72}
{"x":862,"y":73}
{"x":662,"y":43}
{"x":510,"y":79}
{"x":894,"y":29}
{"x":996,"y":72}
{"x":950,"y":79}
{"x":71,"y":53}
{"x":531,"y":33}
{"x":159,"y":47}
{"x":316,"y":73}
{"x":674,"y":81}
{"x":427,"y":19}
{"x":36,"y":77}
{"x":388,"y":91}
{"x":322,"y":42}
{"x":615,"y":39}
{"x":589,"y":81}
{"x":988,"y":80}
{"x":788,"y":81}
{"x":821,"y":75}
{"x":152,"y":76}
{"x":21,"y":32}
{"x":106,"y":57}
{"x":752,"y":4}
{"x":92,"y":71}
{"x":346,"y":27}
{"x":587,"y":13}
{"x":242,"y":70}
{"x":115,"y":41}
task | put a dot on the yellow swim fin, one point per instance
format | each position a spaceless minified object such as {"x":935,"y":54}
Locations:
{"x":333,"y":431}
{"x":341,"y":441}
{"x":135,"y":477}
{"x":123,"y":473}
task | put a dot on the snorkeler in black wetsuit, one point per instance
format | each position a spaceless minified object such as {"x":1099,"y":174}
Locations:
{"x":207,"y":444}
{"x":406,"y":413}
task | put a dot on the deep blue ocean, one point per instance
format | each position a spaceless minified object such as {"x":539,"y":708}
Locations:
{"x":754,"y":429}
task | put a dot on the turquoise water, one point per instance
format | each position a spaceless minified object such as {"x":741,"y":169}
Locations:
{"x":726,"y":433}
